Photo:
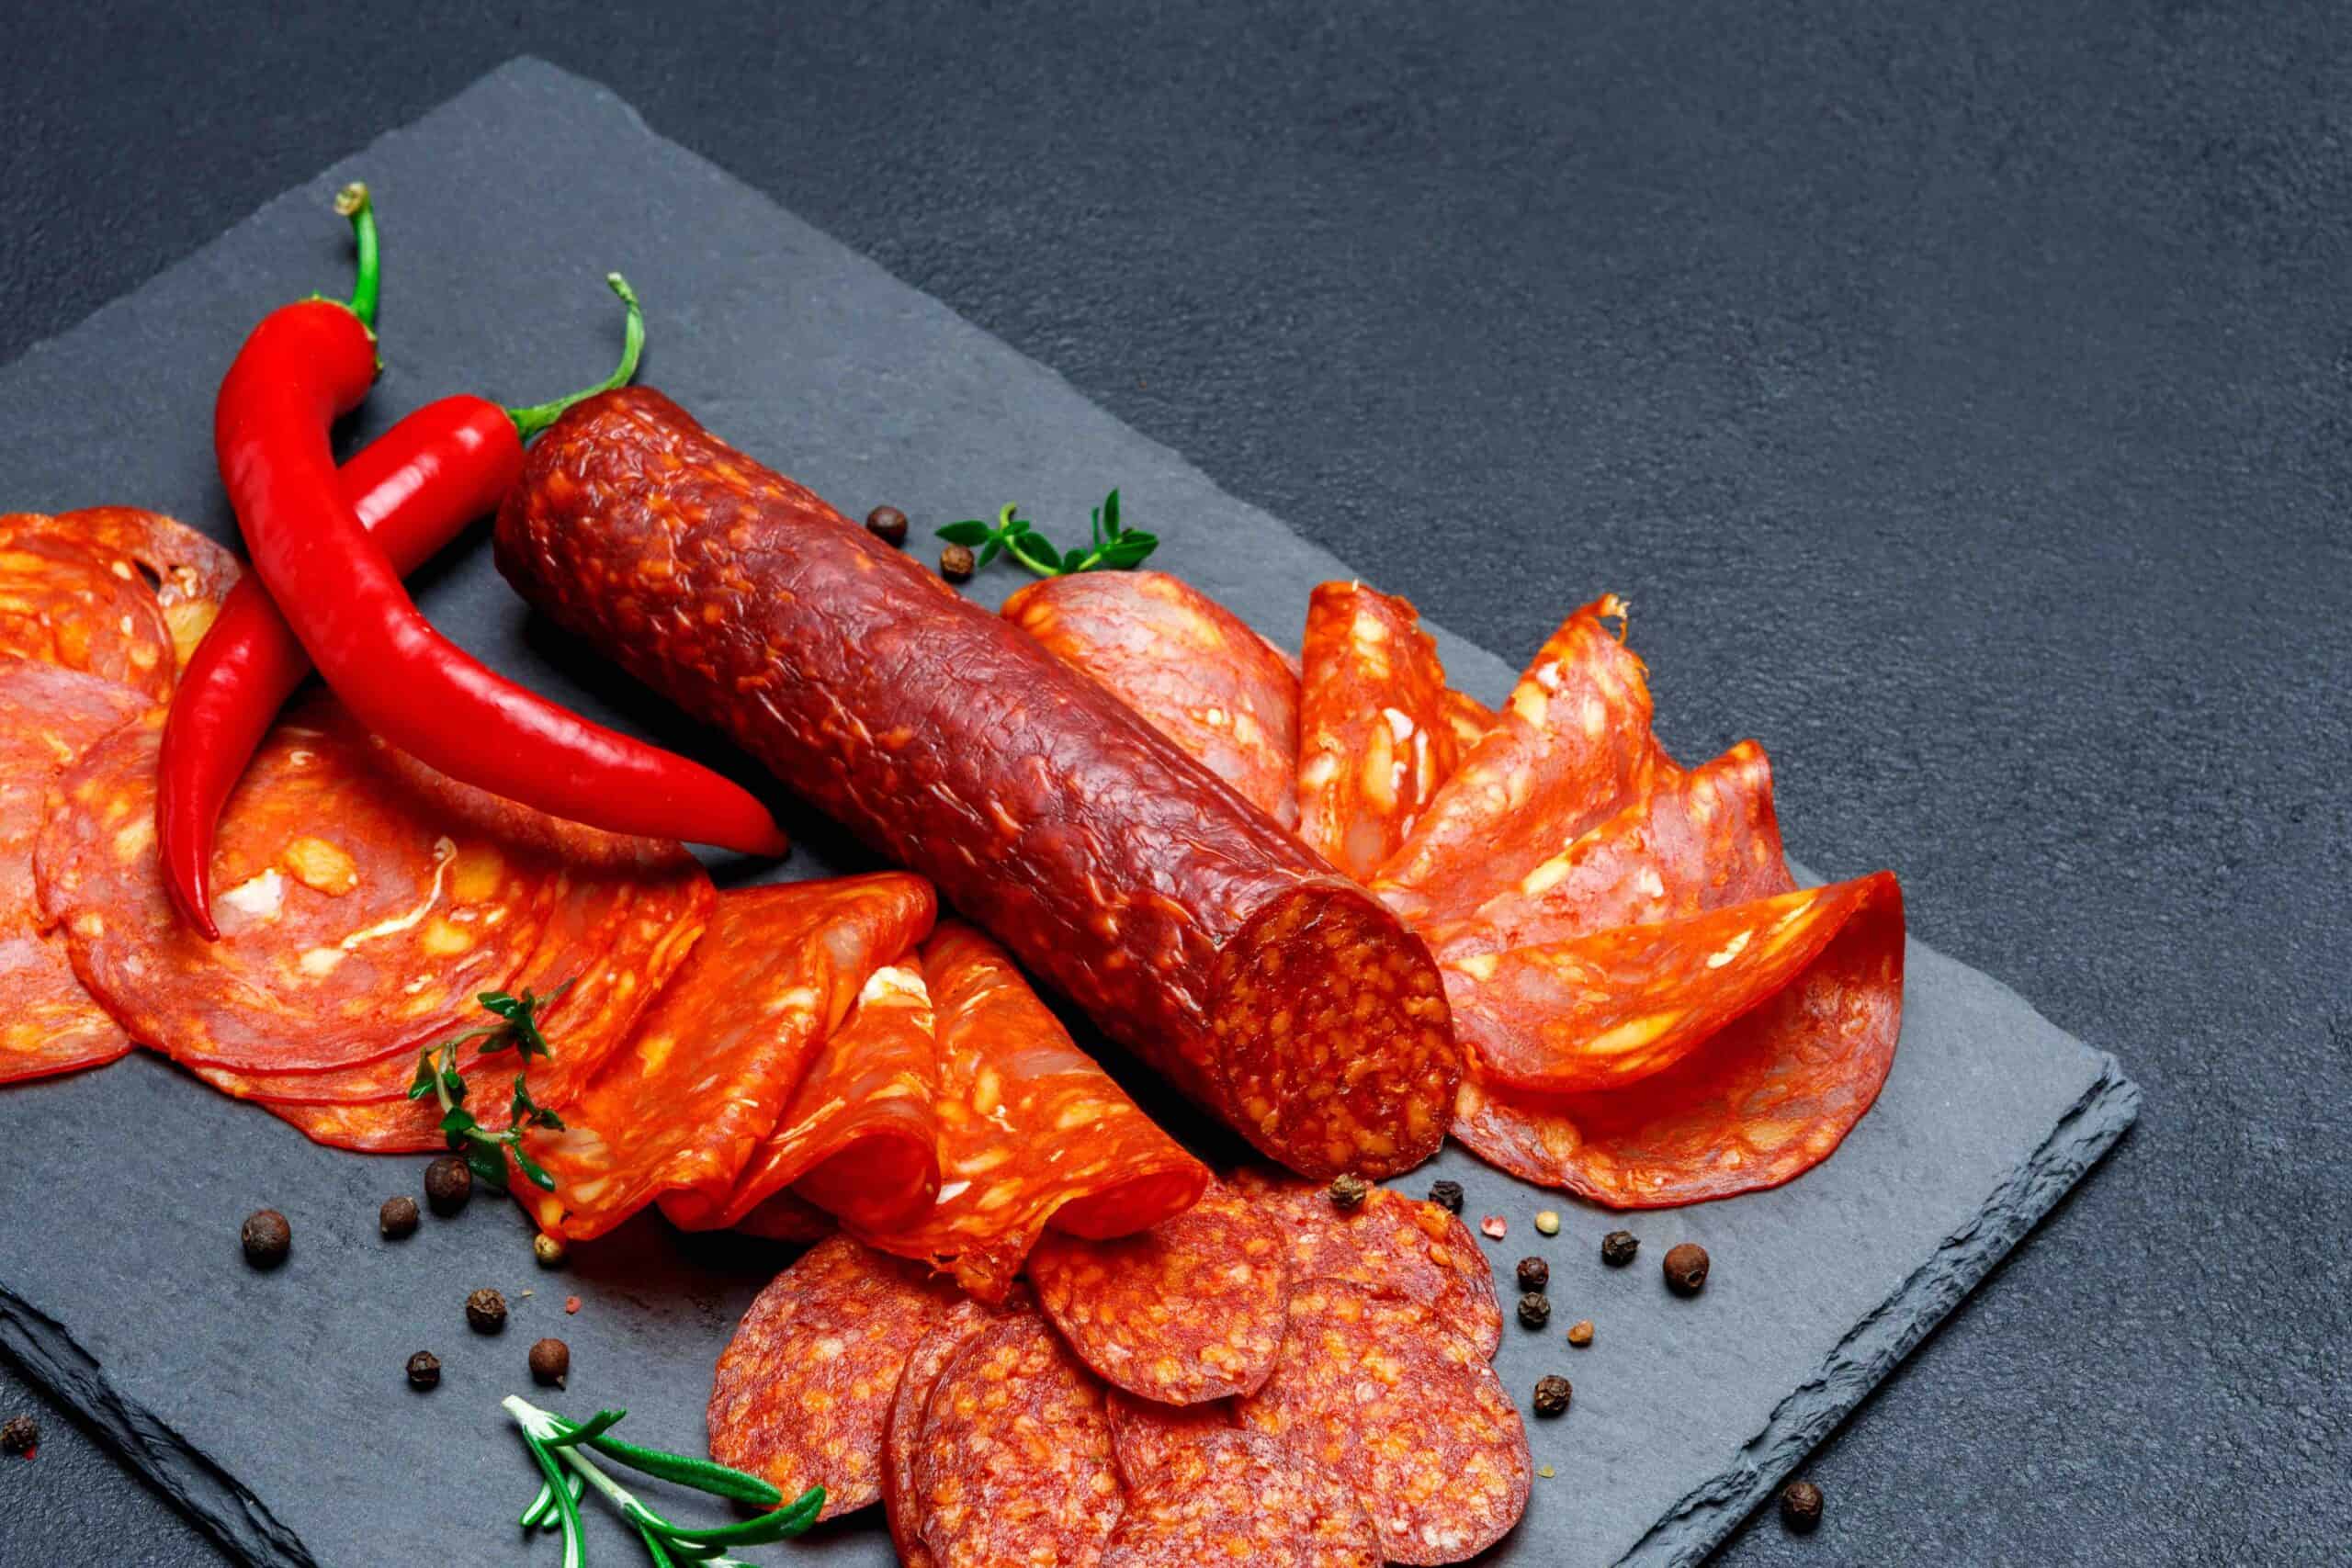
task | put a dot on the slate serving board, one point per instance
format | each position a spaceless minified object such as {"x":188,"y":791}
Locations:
{"x":272,"y":1406}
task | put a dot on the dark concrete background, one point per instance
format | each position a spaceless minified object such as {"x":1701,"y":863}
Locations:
{"x":1960,"y":393}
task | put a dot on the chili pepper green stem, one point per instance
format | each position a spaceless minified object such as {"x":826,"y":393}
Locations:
{"x":354,"y":202}
{"x":529,"y":421}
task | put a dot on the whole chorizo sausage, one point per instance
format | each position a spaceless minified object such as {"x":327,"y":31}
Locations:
{"x":1182,"y":919}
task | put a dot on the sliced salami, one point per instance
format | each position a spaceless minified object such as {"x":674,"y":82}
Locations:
{"x":1151,"y":1441}
{"x":902,"y":1430}
{"x":1375,"y":731}
{"x":1188,"y":665}
{"x":788,"y":1217}
{"x":1014,"y":1462}
{"x":49,"y":714}
{"x":1188,"y":1311}
{"x":110,"y":590}
{"x":1254,"y":1500}
{"x":804,"y":1388}
{"x":1571,"y":747}
{"x":1401,"y":1247}
{"x":1031,"y":1130}
{"x":1758,"y":1103}
{"x":731,"y":1035}
{"x":1408,"y":1415}
{"x":860,"y":1127}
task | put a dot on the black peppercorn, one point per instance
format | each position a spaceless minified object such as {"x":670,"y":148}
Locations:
{"x":1552,"y":1396}
{"x":397,"y":1218}
{"x":1801,"y":1506}
{"x":423,"y":1369}
{"x":1686,"y":1268}
{"x":1446,"y":1195}
{"x":956,"y":563}
{"x":486,"y":1311}
{"x":1533,"y":1274}
{"x":19,"y":1435}
{"x":887,"y":524}
{"x":1617,"y":1248}
{"x":267,"y":1238}
{"x":1534,"y":1309}
{"x":550,"y":1362}
{"x":449,"y":1182}
{"x":1349,"y":1192}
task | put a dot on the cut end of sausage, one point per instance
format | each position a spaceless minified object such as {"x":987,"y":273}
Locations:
{"x":1337,"y":1047}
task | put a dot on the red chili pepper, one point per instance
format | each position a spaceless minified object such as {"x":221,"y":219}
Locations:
{"x":303,"y":366}
{"x":415,"y":487}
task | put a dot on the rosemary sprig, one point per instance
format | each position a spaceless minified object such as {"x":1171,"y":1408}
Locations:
{"x":1114,"y":548}
{"x":563,"y":1449}
{"x":436,"y":1075}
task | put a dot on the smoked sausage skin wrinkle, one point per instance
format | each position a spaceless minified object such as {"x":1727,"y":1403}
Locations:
{"x":1188,"y":925}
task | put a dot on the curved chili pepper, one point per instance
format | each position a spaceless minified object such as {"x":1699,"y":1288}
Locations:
{"x":303,"y":366}
{"x":413,"y":488}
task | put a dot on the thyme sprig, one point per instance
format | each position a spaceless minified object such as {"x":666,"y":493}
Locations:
{"x":436,"y":1074}
{"x":564,"y":1449}
{"x":1114,"y":548}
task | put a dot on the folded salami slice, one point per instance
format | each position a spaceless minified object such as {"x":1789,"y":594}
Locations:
{"x":1572,"y":746}
{"x":1376,"y":736}
{"x":1254,"y":1500}
{"x":804,"y":1388}
{"x":1188,"y":1311}
{"x":902,"y":1429}
{"x":49,"y":714}
{"x":1398,"y":1247}
{"x":1013,"y":1462}
{"x":787,"y":1217}
{"x":685,"y":1105}
{"x":109,"y":590}
{"x":1031,"y":1131}
{"x":1757,"y":1104}
{"x":1407,"y":1414}
{"x":859,"y":1127}
{"x":1184,"y":662}
{"x":1151,"y":1441}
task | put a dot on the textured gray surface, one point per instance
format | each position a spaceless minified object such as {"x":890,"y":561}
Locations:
{"x":806,"y":353}
{"x":1984,"y":363}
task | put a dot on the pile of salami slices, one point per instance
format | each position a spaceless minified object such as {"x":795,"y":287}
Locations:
{"x":1265,"y":1378}
{"x":1651,"y":1012}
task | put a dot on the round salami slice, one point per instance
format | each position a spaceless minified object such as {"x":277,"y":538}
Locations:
{"x":1190,"y":1310}
{"x":1375,"y":736}
{"x":804,"y":1388}
{"x":1402,"y":1247}
{"x":733,"y":1032}
{"x":903,"y":1427}
{"x":1404,"y":1413}
{"x":48,"y":716}
{"x":1187,"y":664}
{"x":1014,"y":1462}
{"x":1248,"y":1498}
{"x":1151,"y":1441}
{"x":1758,"y":1103}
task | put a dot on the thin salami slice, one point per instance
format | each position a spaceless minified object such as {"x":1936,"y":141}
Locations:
{"x":1376,"y":733}
{"x":902,"y":1430}
{"x":1188,"y":665}
{"x":1031,"y":1131}
{"x":790,"y":1218}
{"x":1400,"y":1246}
{"x":49,"y":714}
{"x":732,"y":1036}
{"x":1014,"y":1462}
{"x":1407,"y":1414}
{"x":804,"y":1388}
{"x":860,"y":1125}
{"x":1698,"y":838}
{"x":1254,"y":1500}
{"x":1762,"y":1102}
{"x":109,"y":590}
{"x":1571,"y":747}
{"x":1190,"y":1310}
{"x":1151,"y":1441}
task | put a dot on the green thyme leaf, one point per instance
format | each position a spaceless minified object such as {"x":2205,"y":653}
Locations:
{"x":971,"y":531}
